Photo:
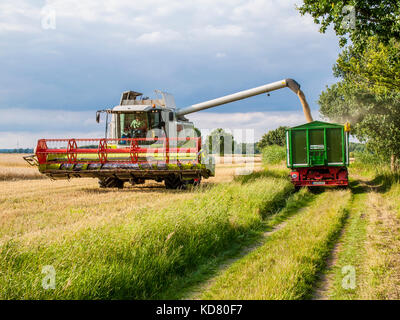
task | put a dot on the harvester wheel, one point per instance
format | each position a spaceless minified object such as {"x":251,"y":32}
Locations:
{"x":111,"y":183}
{"x":137,"y":181}
{"x":174,"y":182}
{"x":195,"y":182}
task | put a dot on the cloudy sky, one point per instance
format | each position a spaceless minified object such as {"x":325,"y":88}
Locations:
{"x":62,"y":60}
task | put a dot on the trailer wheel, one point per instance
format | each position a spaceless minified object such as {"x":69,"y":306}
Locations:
{"x":174,"y":182}
{"x":111,"y":183}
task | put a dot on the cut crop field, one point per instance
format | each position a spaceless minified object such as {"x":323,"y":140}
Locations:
{"x":14,"y":167}
{"x":234,"y":237}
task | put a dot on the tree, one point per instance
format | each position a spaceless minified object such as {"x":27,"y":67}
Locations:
{"x":376,"y":67}
{"x":273,"y":137}
{"x":220,"y":142}
{"x":246,"y":148}
{"x":356,"y":147}
{"x":368,"y":94}
{"x":356,"y":19}
{"x":375,"y":118}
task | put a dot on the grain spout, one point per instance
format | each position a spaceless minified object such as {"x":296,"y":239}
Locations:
{"x":306,"y":107}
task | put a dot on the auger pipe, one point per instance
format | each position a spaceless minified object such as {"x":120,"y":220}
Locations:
{"x":290,"y":83}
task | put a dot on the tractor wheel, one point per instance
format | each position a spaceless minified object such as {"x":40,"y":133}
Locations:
{"x":111,"y":183}
{"x":174,"y":182}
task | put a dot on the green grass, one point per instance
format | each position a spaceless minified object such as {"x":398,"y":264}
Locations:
{"x":193,"y":286}
{"x":147,"y":254}
{"x":287,"y":265}
{"x":368,"y":164}
{"x":393,"y":194}
{"x":352,"y":250}
{"x":273,"y":154}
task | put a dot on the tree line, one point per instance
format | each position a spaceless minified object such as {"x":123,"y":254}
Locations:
{"x":19,"y":150}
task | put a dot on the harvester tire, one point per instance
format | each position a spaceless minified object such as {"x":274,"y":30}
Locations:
{"x":174,"y":182}
{"x":195,"y":182}
{"x":111,"y":183}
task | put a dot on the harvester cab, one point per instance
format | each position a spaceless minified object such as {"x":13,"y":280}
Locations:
{"x":138,"y":117}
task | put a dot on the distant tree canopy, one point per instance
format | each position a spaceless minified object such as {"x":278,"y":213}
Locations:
{"x":273,"y":137}
{"x":220,"y":142}
{"x":246,"y":148}
{"x":20,"y":150}
{"x":356,"y":147}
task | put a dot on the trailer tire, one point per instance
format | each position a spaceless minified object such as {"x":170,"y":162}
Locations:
{"x":174,"y":182}
{"x":111,"y":183}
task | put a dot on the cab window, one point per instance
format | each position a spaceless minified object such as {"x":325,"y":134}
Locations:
{"x":132,"y":125}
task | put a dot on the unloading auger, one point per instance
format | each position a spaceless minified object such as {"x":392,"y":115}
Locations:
{"x":290,"y":83}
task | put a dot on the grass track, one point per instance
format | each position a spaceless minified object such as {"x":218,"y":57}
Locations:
{"x":287,"y":266}
{"x":350,"y":248}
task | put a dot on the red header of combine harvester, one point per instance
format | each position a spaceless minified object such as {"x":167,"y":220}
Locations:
{"x":70,"y":149}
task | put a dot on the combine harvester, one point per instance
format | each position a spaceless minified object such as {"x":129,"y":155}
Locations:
{"x":145,"y":140}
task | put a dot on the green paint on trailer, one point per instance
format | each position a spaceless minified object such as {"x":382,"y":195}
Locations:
{"x":317,"y":144}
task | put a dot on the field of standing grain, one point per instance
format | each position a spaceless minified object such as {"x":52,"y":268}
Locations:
{"x":234,"y":237}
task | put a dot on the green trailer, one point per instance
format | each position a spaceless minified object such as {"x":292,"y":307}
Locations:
{"x":318,"y":154}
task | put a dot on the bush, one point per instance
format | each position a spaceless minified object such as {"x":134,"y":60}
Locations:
{"x":273,"y":154}
{"x":370,"y":163}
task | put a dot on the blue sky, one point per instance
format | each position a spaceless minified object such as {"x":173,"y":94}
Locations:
{"x":62,"y":60}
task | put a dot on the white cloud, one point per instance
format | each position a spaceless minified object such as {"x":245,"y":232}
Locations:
{"x":158,"y":37}
{"x":260,"y":122}
{"x":19,"y":16}
{"x":228,"y":30}
{"x":236,"y":18}
{"x":220,"y":55}
{"x":23,"y":127}
{"x":33,"y":119}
